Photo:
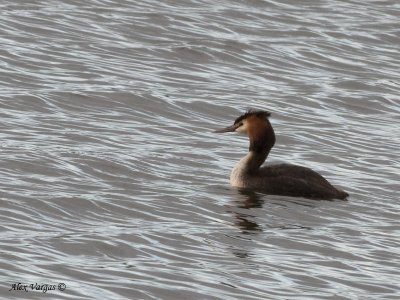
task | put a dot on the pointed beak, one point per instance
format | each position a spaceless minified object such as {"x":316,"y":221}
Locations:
{"x":226,"y":129}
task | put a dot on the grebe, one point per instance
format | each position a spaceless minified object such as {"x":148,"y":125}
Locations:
{"x":279,"y":179}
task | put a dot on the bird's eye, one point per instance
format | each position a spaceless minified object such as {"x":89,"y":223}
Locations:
{"x":240,"y":124}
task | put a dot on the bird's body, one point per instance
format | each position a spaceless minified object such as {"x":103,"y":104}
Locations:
{"x":285,"y":179}
{"x":279,"y":179}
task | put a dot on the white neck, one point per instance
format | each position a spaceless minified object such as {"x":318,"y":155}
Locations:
{"x":246,"y":167}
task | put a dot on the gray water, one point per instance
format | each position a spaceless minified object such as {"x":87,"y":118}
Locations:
{"x":113,"y":184}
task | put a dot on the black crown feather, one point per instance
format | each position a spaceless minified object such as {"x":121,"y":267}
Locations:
{"x":252,"y":112}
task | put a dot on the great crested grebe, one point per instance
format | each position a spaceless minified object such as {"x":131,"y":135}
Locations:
{"x":279,"y":179}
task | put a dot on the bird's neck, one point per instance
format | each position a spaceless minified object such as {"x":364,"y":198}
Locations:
{"x":259,"y":148}
{"x":258,"y":152}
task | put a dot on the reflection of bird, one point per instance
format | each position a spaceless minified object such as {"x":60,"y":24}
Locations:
{"x":246,"y":225}
{"x":280,"y":179}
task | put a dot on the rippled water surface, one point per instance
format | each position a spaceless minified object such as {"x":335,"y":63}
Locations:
{"x":113,"y":184}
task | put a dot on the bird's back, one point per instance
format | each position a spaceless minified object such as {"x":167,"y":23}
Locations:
{"x":291,"y":180}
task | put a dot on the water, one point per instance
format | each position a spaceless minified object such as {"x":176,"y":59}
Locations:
{"x":113,"y":184}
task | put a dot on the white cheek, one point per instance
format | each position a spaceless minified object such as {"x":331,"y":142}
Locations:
{"x":242,"y":129}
